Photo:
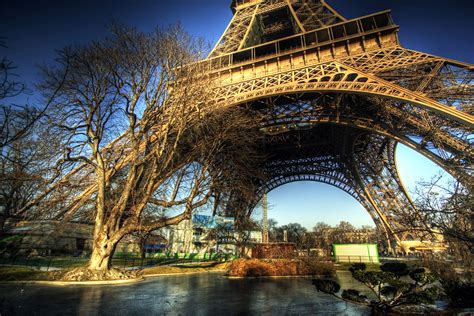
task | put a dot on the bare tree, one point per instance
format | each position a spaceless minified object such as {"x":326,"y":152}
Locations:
{"x":342,"y":233}
{"x":272,"y":229}
{"x":244,"y":226}
{"x":27,"y":149}
{"x":25,"y":168}
{"x":135,"y":115}
{"x":16,"y":120}
{"x":296,"y":234}
{"x":10,"y":116}
{"x":445,"y":207}
{"x":322,"y":233}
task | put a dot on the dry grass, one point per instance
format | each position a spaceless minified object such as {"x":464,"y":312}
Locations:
{"x":279,"y":267}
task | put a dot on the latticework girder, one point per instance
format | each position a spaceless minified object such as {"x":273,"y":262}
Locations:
{"x":249,"y":16}
{"x":355,"y":161}
{"x":373,"y":160}
{"x":313,"y":14}
{"x":304,"y":155}
{"x":377,"y":115}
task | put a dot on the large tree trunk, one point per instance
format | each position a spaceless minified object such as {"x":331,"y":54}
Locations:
{"x":3,"y":220}
{"x":142,"y":245}
{"x":102,"y":247}
{"x":102,"y":252}
{"x":100,"y":264}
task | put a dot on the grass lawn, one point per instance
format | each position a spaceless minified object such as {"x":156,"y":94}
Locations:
{"x":54,"y":262}
{"x":18,"y":273}
{"x":8,"y":273}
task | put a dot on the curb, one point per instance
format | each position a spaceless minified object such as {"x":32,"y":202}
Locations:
{"x":66,"y":283}
{"x":105,"y":282}
{"x":178,"y":274}
{"x":277,"y":277}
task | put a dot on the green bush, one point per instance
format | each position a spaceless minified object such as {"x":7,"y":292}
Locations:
{"x":314,"y":267}
{"x":354,"y":295}
{"x":358,"y":267}
{"x":461,"y":293}
{"x":426,"y":296}
{"x":372,"y":278}
{"x":326,"y":286}
{"x":399,"y":269}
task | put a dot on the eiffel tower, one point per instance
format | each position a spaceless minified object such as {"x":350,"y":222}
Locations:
{"x":338,"y":95}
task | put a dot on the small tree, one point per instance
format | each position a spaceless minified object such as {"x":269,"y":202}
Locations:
{"x":390,"y":291}
{"x":272,"y":229}
{"x":445,"y":207}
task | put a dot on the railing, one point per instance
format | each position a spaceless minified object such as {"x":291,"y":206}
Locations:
{"x":354,"y":259}
{"x":339,"y":32}
{"x":50,"y":263}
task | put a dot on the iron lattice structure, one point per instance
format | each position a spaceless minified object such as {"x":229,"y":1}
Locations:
{"x":338,"y":95}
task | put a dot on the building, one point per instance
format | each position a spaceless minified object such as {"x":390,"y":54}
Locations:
{"x":48,"y":237}
{"x":209,"y":234}
{"x":51,"y":238}
{"x":431,"y":244}
{"x":201,"y":234}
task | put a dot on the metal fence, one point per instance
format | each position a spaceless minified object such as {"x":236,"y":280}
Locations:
{"x":356,"y":259}
{"x":49,"y":263}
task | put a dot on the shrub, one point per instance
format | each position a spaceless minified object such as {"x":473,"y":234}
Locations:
{"x":314,"y":267}
{"x":358,"y":267}
{"x":372,"y":278}
{"x":354,"y":295}
{"x":326,"y":286}
{"x":279,"y":267}
{"x":284,"y":267}
{"x":257,"y":271}
{"x":425,"y":296}
{"x":250,"y":268}
{"x":461,"y":293}
{"x":399,"y":269}
{"x":417,"y":274}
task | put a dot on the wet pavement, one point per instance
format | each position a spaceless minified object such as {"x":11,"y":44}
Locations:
{"x":196,"y":294}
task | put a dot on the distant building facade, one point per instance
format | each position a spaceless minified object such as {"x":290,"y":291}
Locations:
{"x":49,"y":237}
{"x":434,"y":243}
{"x":208,"y":234}
{"x":200,"y":234}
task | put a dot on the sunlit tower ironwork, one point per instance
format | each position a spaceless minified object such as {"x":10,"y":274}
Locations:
{"x":338,"y":95}
{"x":265,"y":238}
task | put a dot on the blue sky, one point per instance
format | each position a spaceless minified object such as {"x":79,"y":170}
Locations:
{"x":35,"y":28}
